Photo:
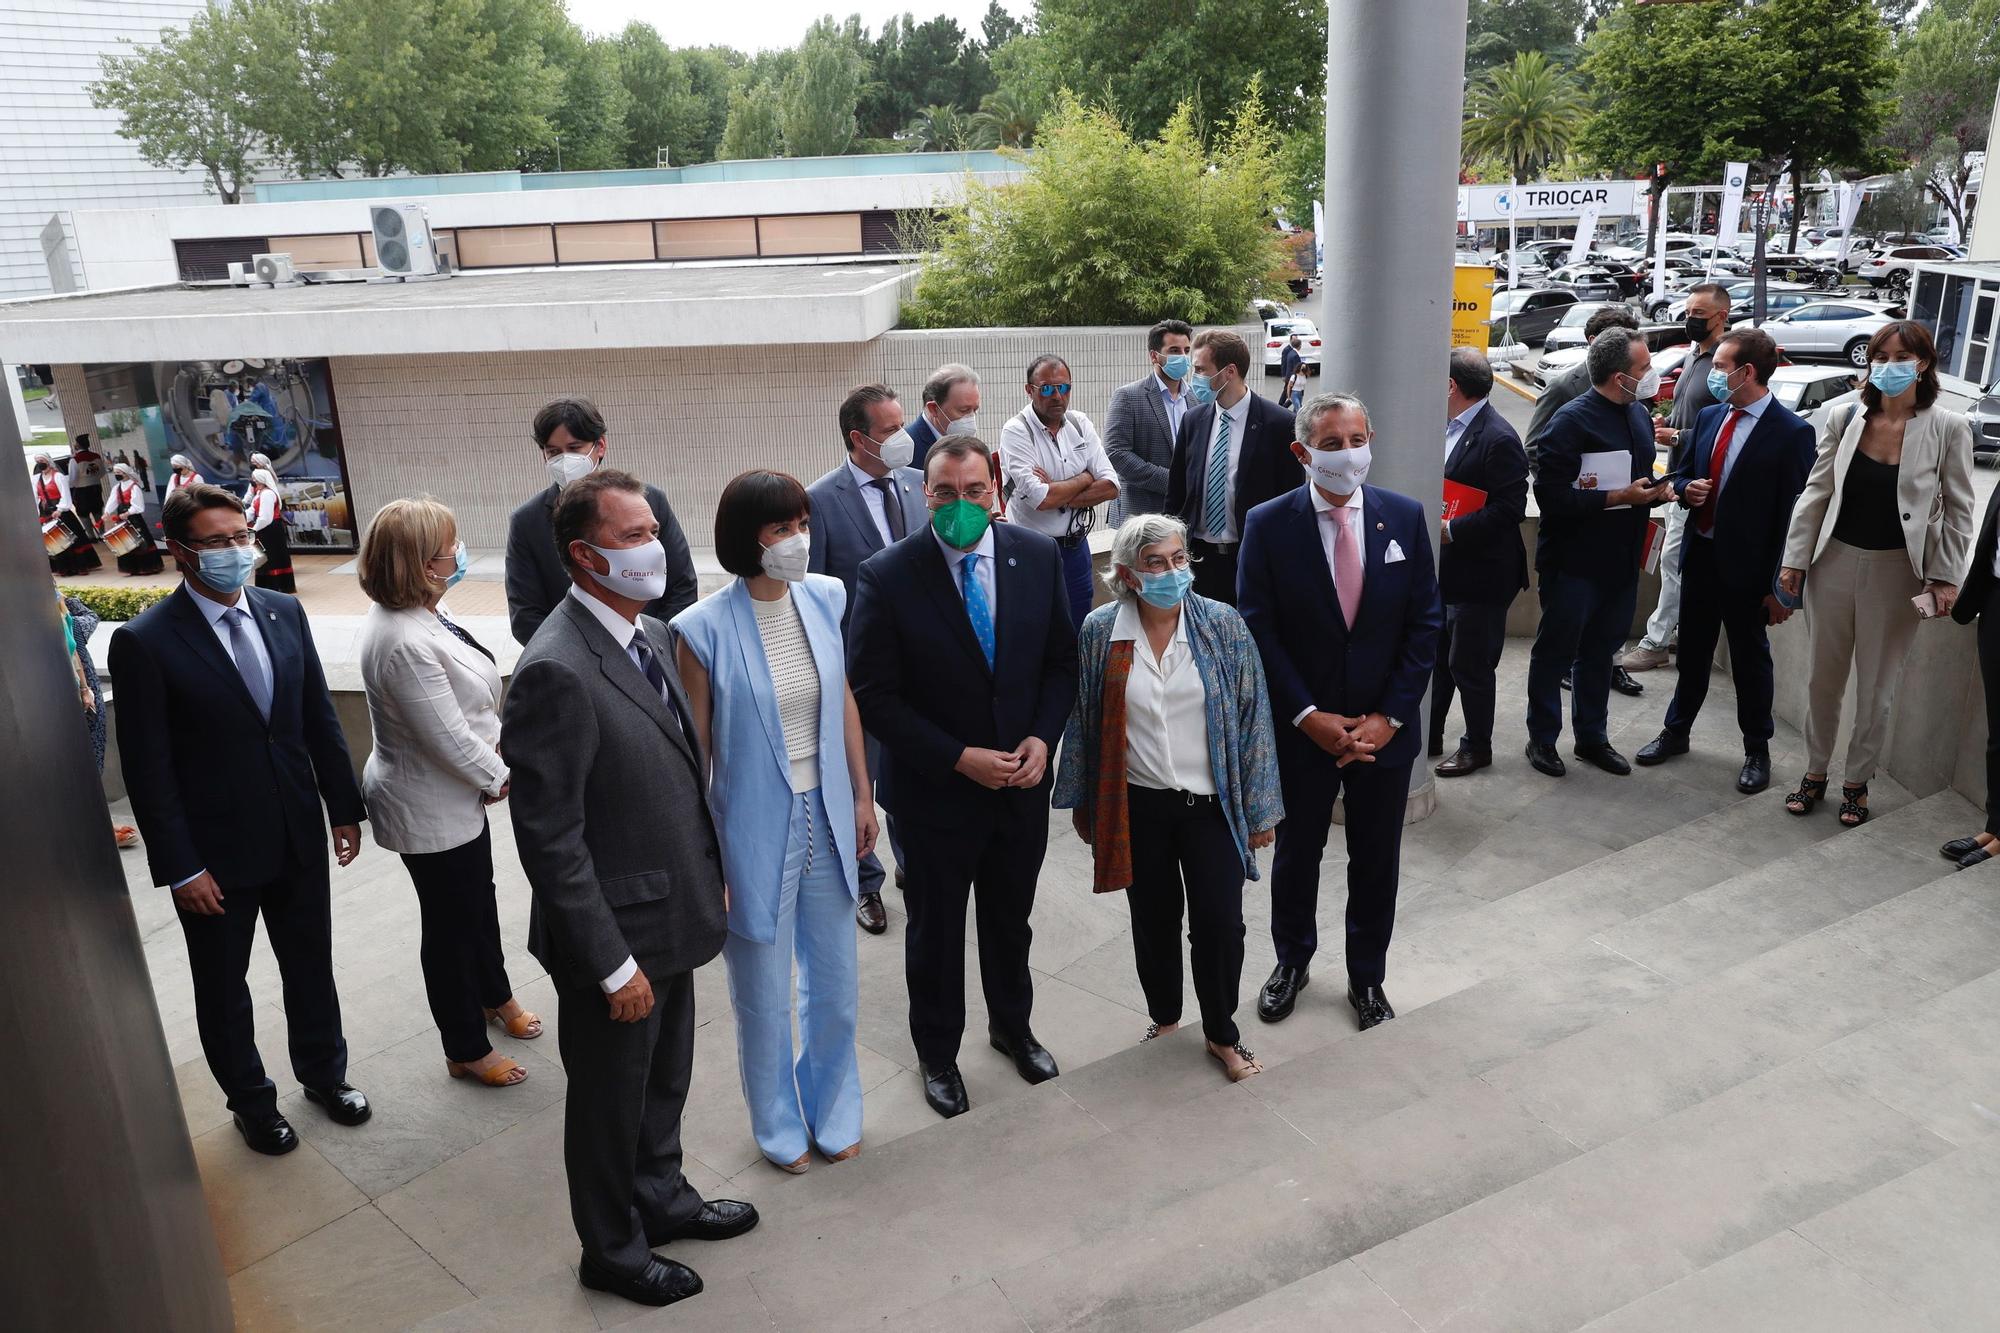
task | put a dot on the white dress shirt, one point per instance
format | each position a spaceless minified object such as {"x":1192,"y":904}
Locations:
{"x":1239,"y":421}
{"x":1454,"y":430}
{"x":1329,"y":539}
{"x":873,"y":499}
{"x":954,"y":560}
{"x":1025,"y":444}
{"x":1175,"y":403}
{"x":1166,"y":725}
{"x":1752,"y":414}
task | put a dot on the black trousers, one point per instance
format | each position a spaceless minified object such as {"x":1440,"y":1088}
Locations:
{"x":465,"y":971}
{"x":999,"y":859}
{"x":296,"y":911}
{"x":628,"y":1083}
{"x":1475,"y":634}
{"x":1989,"y":673}
{"x":1214,"y":570}
{"x":1183,"y":852}
{"x":88,"y":501}
{"x":1583,"y":622}
{"x":1711,"y":607}
{"x":1373,"y":796}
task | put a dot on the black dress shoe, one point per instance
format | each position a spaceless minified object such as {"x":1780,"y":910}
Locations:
{"x":944,"y":1089}
{"x":717,"y":1219}
{"x":1544,"y":759}
{"x":1605,"y":757}
{"x":1661,"y":748}
{"x":274,"y":1137}
{"x":1958,"y":847}
{"x":1281,"y":992}
{"x":1463,"y":762}
{"x":899,"y":878}
{"x":1973,"y":858}
{"x":871,"y":914}
{"x":1370,"y":1005}
{"x":661,"y":1283}
{"x":1030,"y":1057}
{"x":341,"y":1102}
{"x":1756,"y":774}
{"x":1621,"y":681}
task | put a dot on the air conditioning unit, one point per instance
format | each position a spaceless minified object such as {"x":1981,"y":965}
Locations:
{"x":239,"y":274}
{"x":403,"y":246}
{"x":273,"y":270}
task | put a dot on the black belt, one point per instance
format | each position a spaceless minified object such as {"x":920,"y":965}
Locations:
{"x":1176,"y":795}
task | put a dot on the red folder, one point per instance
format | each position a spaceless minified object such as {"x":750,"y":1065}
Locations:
{"x":1460,"y":500}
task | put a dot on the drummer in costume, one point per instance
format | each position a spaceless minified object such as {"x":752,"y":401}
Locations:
{"x":266,"y":513}
{"x":64,"y":536}
{"x":126,"y":530}
{"x":182,"y":474}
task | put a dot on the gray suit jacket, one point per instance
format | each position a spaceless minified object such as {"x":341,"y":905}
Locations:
{"x":843,"y":530}
{"x":1141,"y":445}
{"x":609,"y":814}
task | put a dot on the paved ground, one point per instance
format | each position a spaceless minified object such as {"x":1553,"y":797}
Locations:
{"x":1666,"y":1059}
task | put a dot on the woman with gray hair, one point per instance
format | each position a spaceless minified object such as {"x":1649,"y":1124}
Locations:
{"x":1171,"y":770}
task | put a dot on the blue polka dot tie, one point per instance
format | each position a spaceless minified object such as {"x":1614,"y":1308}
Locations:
{"x":976,"y":608}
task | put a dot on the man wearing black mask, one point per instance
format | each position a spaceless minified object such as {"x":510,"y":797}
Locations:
{"x":1707,"y":321}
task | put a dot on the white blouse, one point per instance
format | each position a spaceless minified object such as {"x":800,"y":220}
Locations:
{"x":1166,"y":725}
{"x":795,"y":677}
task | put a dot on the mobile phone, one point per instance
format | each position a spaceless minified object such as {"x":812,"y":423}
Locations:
{"x":1926,"y":604}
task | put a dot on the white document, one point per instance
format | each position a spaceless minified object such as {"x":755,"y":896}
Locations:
{"x":1607,"y":471}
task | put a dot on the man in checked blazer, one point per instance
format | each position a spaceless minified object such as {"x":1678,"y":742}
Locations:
{"x":1144,"y":416}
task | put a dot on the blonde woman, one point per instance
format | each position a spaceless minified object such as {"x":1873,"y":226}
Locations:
{"x":434,"y":708}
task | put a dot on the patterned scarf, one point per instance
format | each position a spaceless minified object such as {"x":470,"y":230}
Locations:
{"x":1111,"y":826}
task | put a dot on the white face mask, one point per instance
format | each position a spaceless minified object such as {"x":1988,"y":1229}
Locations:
{"x":565,"y":468}
{"x":1646,"y":387}
{"x":638,"y":572}
{"x":787,"y":559}
{"x":965,"y":425}
{"x":896,"y":451}
{"x":1339,"y":471}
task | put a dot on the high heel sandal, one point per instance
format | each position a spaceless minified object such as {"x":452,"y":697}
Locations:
{"x":523,"y":1026}
{"x":1853,"y":814}
{"x":1249,"y":1069}
{"x":497,"y":1075}
{"x":1810,"y":793}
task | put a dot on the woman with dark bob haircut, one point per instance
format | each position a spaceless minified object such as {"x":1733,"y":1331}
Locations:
{"x":766,"y":677}
{"x":1878,"y":543}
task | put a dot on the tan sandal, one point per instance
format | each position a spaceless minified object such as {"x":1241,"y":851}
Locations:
{"x":847,"y":1154}
{"x":1249,"y":1069}
{"x":523,"y":1026}
{"x":797,"y":1168}
{"x":498,"y":1075}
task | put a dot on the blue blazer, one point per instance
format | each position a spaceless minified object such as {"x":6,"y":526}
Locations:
{"x":923,"y":686}
{"x":1265,"y":467}
{"x":1285,"y":593}
{"x":214,"y":786}
{"x":750,"y":784}
{"x":1754,"y":511}
{"x":923,"y":435}
{"x":843,"y":529}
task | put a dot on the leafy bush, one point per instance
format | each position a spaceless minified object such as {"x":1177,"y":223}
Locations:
{"x":117,"y":603}
{"x":1108,"y":230}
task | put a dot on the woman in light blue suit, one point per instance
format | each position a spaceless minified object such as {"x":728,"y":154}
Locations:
{"x":764,"y":668}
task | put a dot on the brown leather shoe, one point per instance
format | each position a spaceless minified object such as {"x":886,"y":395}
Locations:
{"x":874,"y":918}
{"x":1462,"y":763}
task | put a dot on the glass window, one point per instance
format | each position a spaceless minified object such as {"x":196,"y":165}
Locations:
{"x":706,"y":238}
{"x":811,"y":234}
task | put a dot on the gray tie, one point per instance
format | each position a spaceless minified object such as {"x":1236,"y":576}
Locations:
{"x":248,"y":665}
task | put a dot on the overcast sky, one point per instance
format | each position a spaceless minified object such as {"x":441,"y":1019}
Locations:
{"x":769,"y":23}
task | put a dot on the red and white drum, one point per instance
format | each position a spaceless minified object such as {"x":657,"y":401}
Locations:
{"x":123,"y":538}
{"x":57,"y":537}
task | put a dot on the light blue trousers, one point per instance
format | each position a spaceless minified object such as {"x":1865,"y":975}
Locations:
{"x":817,"y":1098}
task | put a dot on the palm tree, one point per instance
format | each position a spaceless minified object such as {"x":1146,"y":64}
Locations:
{"x":1526,"y":113}
{"x":1002,"y":121}
{"x":938,"y":129}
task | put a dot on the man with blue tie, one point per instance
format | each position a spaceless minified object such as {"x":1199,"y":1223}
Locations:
{"x":872,"y":500}
{"x":230,"y":748}
{"x":963,"y":664}
{"x":1339,"y":590}
{"x":1738,"y":482}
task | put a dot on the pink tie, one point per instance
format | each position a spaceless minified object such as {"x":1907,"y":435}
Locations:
{"x":1346,"y":564}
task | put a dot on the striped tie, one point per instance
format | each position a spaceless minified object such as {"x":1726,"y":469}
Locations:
{"x":1215,"y":495}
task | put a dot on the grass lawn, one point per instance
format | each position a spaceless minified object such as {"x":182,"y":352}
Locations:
{"x":30,"y":395}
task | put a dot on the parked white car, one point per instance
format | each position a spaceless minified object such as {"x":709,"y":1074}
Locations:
{"x":1813,"y":391}
{"x":1828,"y":252}
{"x":1828,"y":328}
{"x":1277,"y":331}
{"x":1892,"y":267}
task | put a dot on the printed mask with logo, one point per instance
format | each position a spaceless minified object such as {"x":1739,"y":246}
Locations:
{"x":638,"y":572}
{"x":1339,"y":471}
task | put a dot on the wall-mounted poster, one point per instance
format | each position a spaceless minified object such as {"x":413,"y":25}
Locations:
{"x":219,"y":413}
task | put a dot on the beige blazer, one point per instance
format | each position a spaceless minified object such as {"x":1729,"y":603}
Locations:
{"x":1933,"y":491}
{"x":434,"y":707}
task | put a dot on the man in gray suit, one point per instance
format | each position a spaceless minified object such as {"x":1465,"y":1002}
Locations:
{"x":872,"y":499}
{"x":1145,"y":414}
{"x":627,"y":903}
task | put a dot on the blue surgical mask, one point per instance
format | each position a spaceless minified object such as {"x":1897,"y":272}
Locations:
{"x":1892,"y":377}
{"x":1176,"y":367}
{"x":1201,"y":390}
{"x":227,"y":570}
{"x":1165,"y":590}
{"x":461,"y":563}
{"x":1718,"y":384}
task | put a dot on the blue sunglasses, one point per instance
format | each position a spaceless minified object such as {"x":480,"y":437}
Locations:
{"x":1051,"y":390}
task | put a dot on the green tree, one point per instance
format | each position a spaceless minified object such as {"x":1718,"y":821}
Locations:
{"x":1947,"y":67}
{"x":753,"y":129}
{"x":1026,"y":72}
{"x":1002,"y":122}
{"x":1526,"y":113}
{"x":1107,"y":229}
{"x":679,"y":98}
{"x":182,"y":101}
{"x":944,"y":129}
{"x":1497,"y":31}
{"x":816,"y":108}
{"x":589,"y":119}
{"x":998,"y":27}
{"x":1302,"y":171}
{"x":914,"y":65}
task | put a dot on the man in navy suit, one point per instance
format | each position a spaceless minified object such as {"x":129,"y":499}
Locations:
{"x":230,"y":745}
{"x":1339,"y":591}
{"x":963,"y":663}
{"x":950,"y":406}
{"x":1232,"y":452}
{"x":1482,"y":563}
{"x":1738,"y":482}
{"x":872,"y":500}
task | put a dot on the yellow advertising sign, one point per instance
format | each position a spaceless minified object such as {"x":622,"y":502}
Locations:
{"x":1471,"y":304}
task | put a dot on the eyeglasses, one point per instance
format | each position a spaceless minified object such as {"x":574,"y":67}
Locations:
{"x":223,"y":541}
{"x":945,"y":495}
{"x":1159,"y":564}
{"x":1050,"y":390}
